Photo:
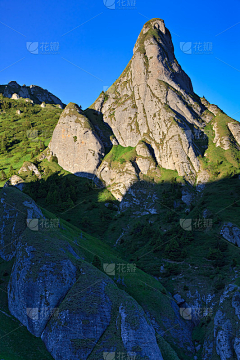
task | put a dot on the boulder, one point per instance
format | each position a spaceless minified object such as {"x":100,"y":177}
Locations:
{"x":28,"y":166}
{"x":118,"y":177}
{"x":15,"y":96}
{"x":16,"y":181}
{"x":76,"y":144}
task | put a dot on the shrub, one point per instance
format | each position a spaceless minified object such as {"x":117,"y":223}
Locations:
{"x":97,"y":262}
{"x":54,"y":159}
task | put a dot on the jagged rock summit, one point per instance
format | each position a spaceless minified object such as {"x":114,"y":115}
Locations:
{"x":153,"y":100}
{"x":35,"y":93}
{"x":151,"y":103}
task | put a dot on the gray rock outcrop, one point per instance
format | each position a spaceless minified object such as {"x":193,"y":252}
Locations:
{"x":76,"y":143}
{"x":28,"y":166}
{"x":15,"y":209}
{"x":16,"y":181}
{"x":91,"y":319}
{"x":231,"y":233}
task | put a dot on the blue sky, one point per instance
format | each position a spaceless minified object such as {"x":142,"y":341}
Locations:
{"x":96,"y":43}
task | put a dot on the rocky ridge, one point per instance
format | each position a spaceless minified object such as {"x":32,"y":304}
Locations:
{"x":32,"y":93}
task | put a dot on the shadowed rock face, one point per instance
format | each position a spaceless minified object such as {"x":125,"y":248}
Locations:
{"x":86,"y":314}
{"x":36,"y":93}
{"x":76,"y":309}
{"x":15,"y":209}
{"x":75,"y":142}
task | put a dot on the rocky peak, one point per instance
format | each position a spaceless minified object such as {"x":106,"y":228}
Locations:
{"x":13,"y":84}
{"x":155,"y":43}
{"x":153,"y":101}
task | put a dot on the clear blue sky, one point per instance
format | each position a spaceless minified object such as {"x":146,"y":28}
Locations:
{"x":94,"y":54}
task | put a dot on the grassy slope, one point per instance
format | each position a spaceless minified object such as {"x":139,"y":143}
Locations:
{"x":18,"y":129}
{"x":218,"y":162}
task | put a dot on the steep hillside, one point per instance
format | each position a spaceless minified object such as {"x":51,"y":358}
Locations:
{"x":25,"y":131}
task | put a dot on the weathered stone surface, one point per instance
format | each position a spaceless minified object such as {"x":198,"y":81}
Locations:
{"x":86,"y":314}
{"x":223,"y":334}
{"x":141,"y":198}
{"x":119,"y":179}
{"x":207,"y":349}
{"x":236,"y":303}
{"x":28,"y":166}
{"x":38,"y":281}
{"x":202,"y":178}
{"x":222,"y":141}
{"x":179,"y":299}
{"x":16,"y":181}
{"x":231,"y":233}
{"x":75,"y":143}
{"x":144,"y":161}
{"x":234,"y":127}
{"x":15,"y":96}
{"x":15,"y":209}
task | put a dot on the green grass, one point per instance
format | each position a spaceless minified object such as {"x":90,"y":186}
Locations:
{"x":22,"y":133}
{"x":120,"y":154}
{"x":218,"y":162}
